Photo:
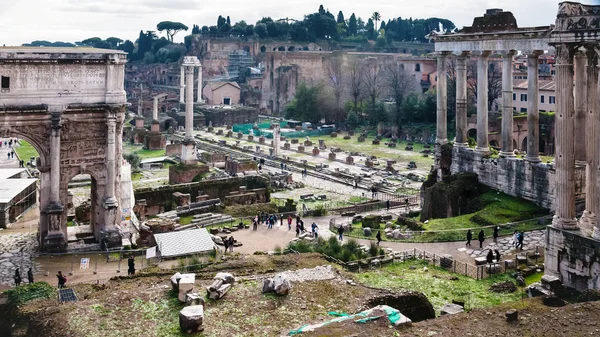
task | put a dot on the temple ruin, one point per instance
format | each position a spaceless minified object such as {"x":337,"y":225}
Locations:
{"x":573,"y":245}
{"x":69,"y":103}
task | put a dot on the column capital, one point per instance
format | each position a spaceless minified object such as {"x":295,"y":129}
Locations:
{"x":484,"y":54}
{"x":564,"y":54}
{"x":508,"y":53}
{"x":55,"y":121}
{"x":535,"y":54}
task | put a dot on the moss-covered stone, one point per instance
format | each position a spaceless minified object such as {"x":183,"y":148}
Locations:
{"x":455,"y":195}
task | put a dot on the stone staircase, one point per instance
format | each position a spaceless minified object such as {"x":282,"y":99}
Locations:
{"x":206,"y":219}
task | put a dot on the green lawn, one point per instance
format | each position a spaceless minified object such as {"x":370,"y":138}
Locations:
{"x":440,"y":286}
{"x":499,"y":208}
{"x":143,"y":153}
{"x":25,"y":151}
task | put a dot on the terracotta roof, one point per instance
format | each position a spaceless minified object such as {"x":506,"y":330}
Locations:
{"x":546,"y":85}
{"x":214,"y":85}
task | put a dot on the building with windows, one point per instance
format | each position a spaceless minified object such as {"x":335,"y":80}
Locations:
{"x":546,"y":99}
{"x":218,"y":92}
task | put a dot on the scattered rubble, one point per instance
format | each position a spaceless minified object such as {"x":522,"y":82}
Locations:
{"x":221,"y":285}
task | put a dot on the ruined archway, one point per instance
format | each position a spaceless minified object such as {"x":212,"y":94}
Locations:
{"x":291,"y":48}
{"x":494,"y":144}
{"x":263,"y":49}
{"x":71,"y":109}
{"x":524,"y":144}
{"x":472,"y":133}
{"x":281,"y":48}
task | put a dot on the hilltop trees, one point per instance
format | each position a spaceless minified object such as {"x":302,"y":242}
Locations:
{"x":171,"y":28}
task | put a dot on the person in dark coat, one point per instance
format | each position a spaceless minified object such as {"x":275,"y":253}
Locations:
{"x":17,"y":277}
{"x":341,"y":233}
{"x":496,"y":230}
{"x":378,"y":237}
{"x":481,"y":238}
{"x":30,"y":275}
{"x":61,"y":279}
{"x":226,"y":244}
{"x":469,"y":238}
{"x":497,"y":255}
{"x":388,"y":204}
{"x":131,"y":265}
{"x":490,"y":257}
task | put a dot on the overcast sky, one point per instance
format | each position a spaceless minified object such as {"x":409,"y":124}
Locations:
{"x":22,"y":21}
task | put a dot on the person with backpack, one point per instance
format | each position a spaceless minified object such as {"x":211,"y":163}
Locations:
{"x":341,"y":233}
{"x":469,"y":238}
{"x":62,"y":280}
{"x":520,"y":238}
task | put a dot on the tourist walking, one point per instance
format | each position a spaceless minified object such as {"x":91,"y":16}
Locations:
{"x":481,"y":238}
{"x":131,"y":265}
{"x":387,"y":205}
{"x":341,"y":233}
{"x":17,"y":277}
{"x":297,"y":229}
{"x":289,"y":222}
{"x":315,"y":230}
{"x":490,"y":257}
{"x":520,"y":238}
{"x":281,"y":220}
{"x":496,"y":230}
{"x":255,"y":224}
{"x":515,"y":239}
{"x":62,"y":280}
{"x":469,"y":238}
{"x":30,"y":276}
{"x":378,"y":237}
{"x":226,"y":244}
{"x":231,"y":242}
{"x":302,"y":230}
{"x":497,"y":255}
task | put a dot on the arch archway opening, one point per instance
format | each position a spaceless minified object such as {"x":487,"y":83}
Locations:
{"x":281,"y":48}
{"x":263,"y":49}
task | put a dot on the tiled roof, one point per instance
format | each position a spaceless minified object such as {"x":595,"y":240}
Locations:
{"x":184,"y":242}
{"x":546,"y":85}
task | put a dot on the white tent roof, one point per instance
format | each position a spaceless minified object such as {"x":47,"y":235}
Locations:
{"x":185,"y":242}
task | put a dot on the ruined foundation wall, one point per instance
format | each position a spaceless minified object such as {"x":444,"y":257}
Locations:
{"x":516,"y":177}
{"x":573,"y":257}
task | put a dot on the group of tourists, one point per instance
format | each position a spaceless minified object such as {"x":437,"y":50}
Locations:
{"x":228,"y":243}
{"x":18,"y":279}
{"x":269,"y":219}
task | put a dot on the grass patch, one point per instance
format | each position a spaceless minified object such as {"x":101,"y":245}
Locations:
{"x":29,"y":292}
{"x":141,"y":152}
{"x":186,"y":220}
{"x":25,"y":151}
{"x":499,"y":208}
{"x":440,"y":286}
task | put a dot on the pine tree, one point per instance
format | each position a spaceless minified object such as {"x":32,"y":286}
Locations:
{"x":352,"y":26}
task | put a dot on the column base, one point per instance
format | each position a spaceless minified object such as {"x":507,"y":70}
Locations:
{"x":507,"y":154}
{"x":566,"y":224}
{"x":188,"y":152}
{"x":110,"y":202}
{"x":533,"y":160}
{"x":461,"y":144}
{"x":482,"y":149}
{"x":54,"y":242}
{"x":588,"y":219}
{"x":441,"y":141}
{"x":110,"y":238}
{"x":596,"y":233}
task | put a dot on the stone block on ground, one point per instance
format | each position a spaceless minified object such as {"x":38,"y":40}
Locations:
{"x":225,"y":277}
{"x":451,"y":309}
{"x":267,"y":285}
{"x":551,"y":282}
{"x":281,"y":284}
{"x":193,"y":299}
{"x":191,"y":318}
{"x":479,"y":261}
{"x":215,"y":294}
{"x":367,"y":231}
{"x":186,"y":286}
{"x":512,"y":315}
{"x":175,"y":281}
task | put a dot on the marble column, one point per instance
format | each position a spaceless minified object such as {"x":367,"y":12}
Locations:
{"x":55,"y":239}
{"x":580,"y":107}
{"x":442,"y":101}
{"x":533,"y":112}
{"x":592,"y":205}
{"x":461,"y":101}
{"x":110,"y":200}
{"x":442,"y":107}
{"x":140,"y":110}
{"x":564,"y":201}
{"x":482,"y":103}
{"x":155,"y":109}
{"x":55,"y":164}
{"x":182,"y":86}
{"x":188,"y":151}
{"x":507,"y":105}
{"x":199,"y":98}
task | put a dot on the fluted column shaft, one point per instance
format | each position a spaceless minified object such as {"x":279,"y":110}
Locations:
{"x":442,"y":101}
{"x":564,"y":200}
{"x":199,"y":98}
{"x":533,"y":112}
{"x":110,"y":159}
{"x":182,"y":86}
{"x":507,"y":105}
{"x":482,"y":103}
{"x":461,"y":101}
{"x":592,"y":201}
{"x":580,"y":108}
{"x":189,"y":105}
{"x":55,"y":164}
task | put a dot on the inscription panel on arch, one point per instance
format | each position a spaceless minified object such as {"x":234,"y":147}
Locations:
{"x":54,"y":77}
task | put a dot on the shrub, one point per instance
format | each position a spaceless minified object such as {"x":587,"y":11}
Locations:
{"x":319,"y":210}
{"x":381,"y":251}
{"x":412,"y":224}
{"x":373,"y":249}
{"x":371,"y":221}
{"x":29,"y":292}
{"x":277,"y":250}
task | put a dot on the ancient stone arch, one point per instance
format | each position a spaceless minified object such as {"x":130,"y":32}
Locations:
{"x":69,"y":103}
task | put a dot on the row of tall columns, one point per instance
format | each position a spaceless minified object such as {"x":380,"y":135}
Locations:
{"x":482,"y":103}
{"x":533,"y":113}
{"x":183,"y":96}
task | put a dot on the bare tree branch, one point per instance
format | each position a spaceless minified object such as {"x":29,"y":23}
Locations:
{"x":397,"y":84}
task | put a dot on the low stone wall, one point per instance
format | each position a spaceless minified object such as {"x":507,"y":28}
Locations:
{"x":573,"y":257}
{"x":182,"y":174}
{"x":173,"y":149}
{"x":516,"y":177}
{"x":160,"y":199}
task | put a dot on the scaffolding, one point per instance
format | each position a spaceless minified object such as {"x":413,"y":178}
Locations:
{"x":239,"y":60}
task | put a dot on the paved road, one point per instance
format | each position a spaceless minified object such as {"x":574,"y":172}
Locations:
{"x":6,"y":162}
